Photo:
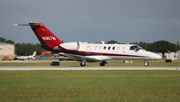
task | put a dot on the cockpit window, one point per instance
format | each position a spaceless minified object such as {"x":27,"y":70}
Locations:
{"x":135,"y":48}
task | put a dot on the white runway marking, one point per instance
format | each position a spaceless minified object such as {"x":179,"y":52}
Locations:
{"x":88,"y":68}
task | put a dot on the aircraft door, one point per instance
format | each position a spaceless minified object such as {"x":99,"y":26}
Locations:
{"x":88,"y":49}
{"x":123,"y":49}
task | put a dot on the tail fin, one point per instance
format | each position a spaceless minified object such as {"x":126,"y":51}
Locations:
{"x":47,"y":39}
{"x":34,"y":54}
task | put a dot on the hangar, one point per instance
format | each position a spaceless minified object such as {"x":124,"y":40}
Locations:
{"x":6,"y":49}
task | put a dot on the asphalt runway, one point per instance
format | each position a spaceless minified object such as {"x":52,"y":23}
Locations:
{"x":5,"y":68}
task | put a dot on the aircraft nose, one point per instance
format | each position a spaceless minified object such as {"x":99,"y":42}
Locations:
{"x":155,"y":56}
{"x":158,"y":56}
{"x":151,"y":55}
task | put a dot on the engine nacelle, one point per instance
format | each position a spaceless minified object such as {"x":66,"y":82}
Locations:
{"x":70,"y":45}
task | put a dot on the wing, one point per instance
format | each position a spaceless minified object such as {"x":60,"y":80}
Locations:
{"x":88,"y":58}
{"x":72,"y":56}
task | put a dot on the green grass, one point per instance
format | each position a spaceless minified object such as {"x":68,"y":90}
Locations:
{"x":89,"y":86}
{"x":76,"y":64}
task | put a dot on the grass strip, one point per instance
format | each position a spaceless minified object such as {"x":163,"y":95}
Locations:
{"x":88,"y":86}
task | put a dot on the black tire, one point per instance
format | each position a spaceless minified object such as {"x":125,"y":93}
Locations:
{"x":82,"y":64}
{"x":102,"y":63}
{"x":55,"y":63}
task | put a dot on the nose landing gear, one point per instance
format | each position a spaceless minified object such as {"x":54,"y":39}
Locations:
{"x":146,"y":63}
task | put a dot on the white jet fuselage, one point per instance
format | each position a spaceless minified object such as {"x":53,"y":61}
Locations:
{"x":109,"y":51}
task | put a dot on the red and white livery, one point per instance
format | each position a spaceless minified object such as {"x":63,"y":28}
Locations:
{"x":90,"y":52}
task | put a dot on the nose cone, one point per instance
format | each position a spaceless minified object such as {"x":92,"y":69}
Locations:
{"x":154,"y":56}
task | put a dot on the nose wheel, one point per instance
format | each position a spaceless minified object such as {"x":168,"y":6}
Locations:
{"x":146,"y":63}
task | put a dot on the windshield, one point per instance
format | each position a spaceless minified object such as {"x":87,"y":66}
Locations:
{"x":135,"y":48}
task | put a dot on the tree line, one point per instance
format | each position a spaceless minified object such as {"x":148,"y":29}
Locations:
{"x":24,"y":48}
{"x":161,"y":46}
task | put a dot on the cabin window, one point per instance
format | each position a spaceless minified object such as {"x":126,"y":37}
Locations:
{"x":123,"y":48}
{"x":95,"y":47}
{"x":109,"y":47}
{"x":100,"y":47}
{"x":118,"y":48}
{"x":113,"y":48}
{"x":104,"y":47}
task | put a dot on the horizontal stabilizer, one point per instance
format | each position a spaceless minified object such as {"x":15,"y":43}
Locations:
{"x":27,"y":24}
{"x":21,"y":24}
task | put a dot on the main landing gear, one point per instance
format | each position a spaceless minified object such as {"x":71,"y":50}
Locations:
{"x":102,"y":63}
{"x":82,"y":64}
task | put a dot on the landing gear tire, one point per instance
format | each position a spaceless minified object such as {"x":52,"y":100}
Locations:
{"x":82,"y":64}
{"x":146,"y":63}
{"x":102,"y":63}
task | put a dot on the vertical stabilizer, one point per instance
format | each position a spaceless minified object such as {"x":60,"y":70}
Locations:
{"x":34,"y":54}
{"x":47,"y":39}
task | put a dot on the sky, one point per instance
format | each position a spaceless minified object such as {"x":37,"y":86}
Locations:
{"x":124,"y":21}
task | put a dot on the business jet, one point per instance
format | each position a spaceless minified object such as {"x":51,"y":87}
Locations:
{"x":30,"y":57}
{"x":89,"y":52}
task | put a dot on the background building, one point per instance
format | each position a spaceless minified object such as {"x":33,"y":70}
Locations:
{"x":6,"y":50}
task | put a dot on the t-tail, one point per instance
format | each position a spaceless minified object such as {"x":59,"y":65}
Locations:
{"x":47,"y":39}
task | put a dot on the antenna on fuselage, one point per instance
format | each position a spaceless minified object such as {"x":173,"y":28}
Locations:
{"x":102,"y":42}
